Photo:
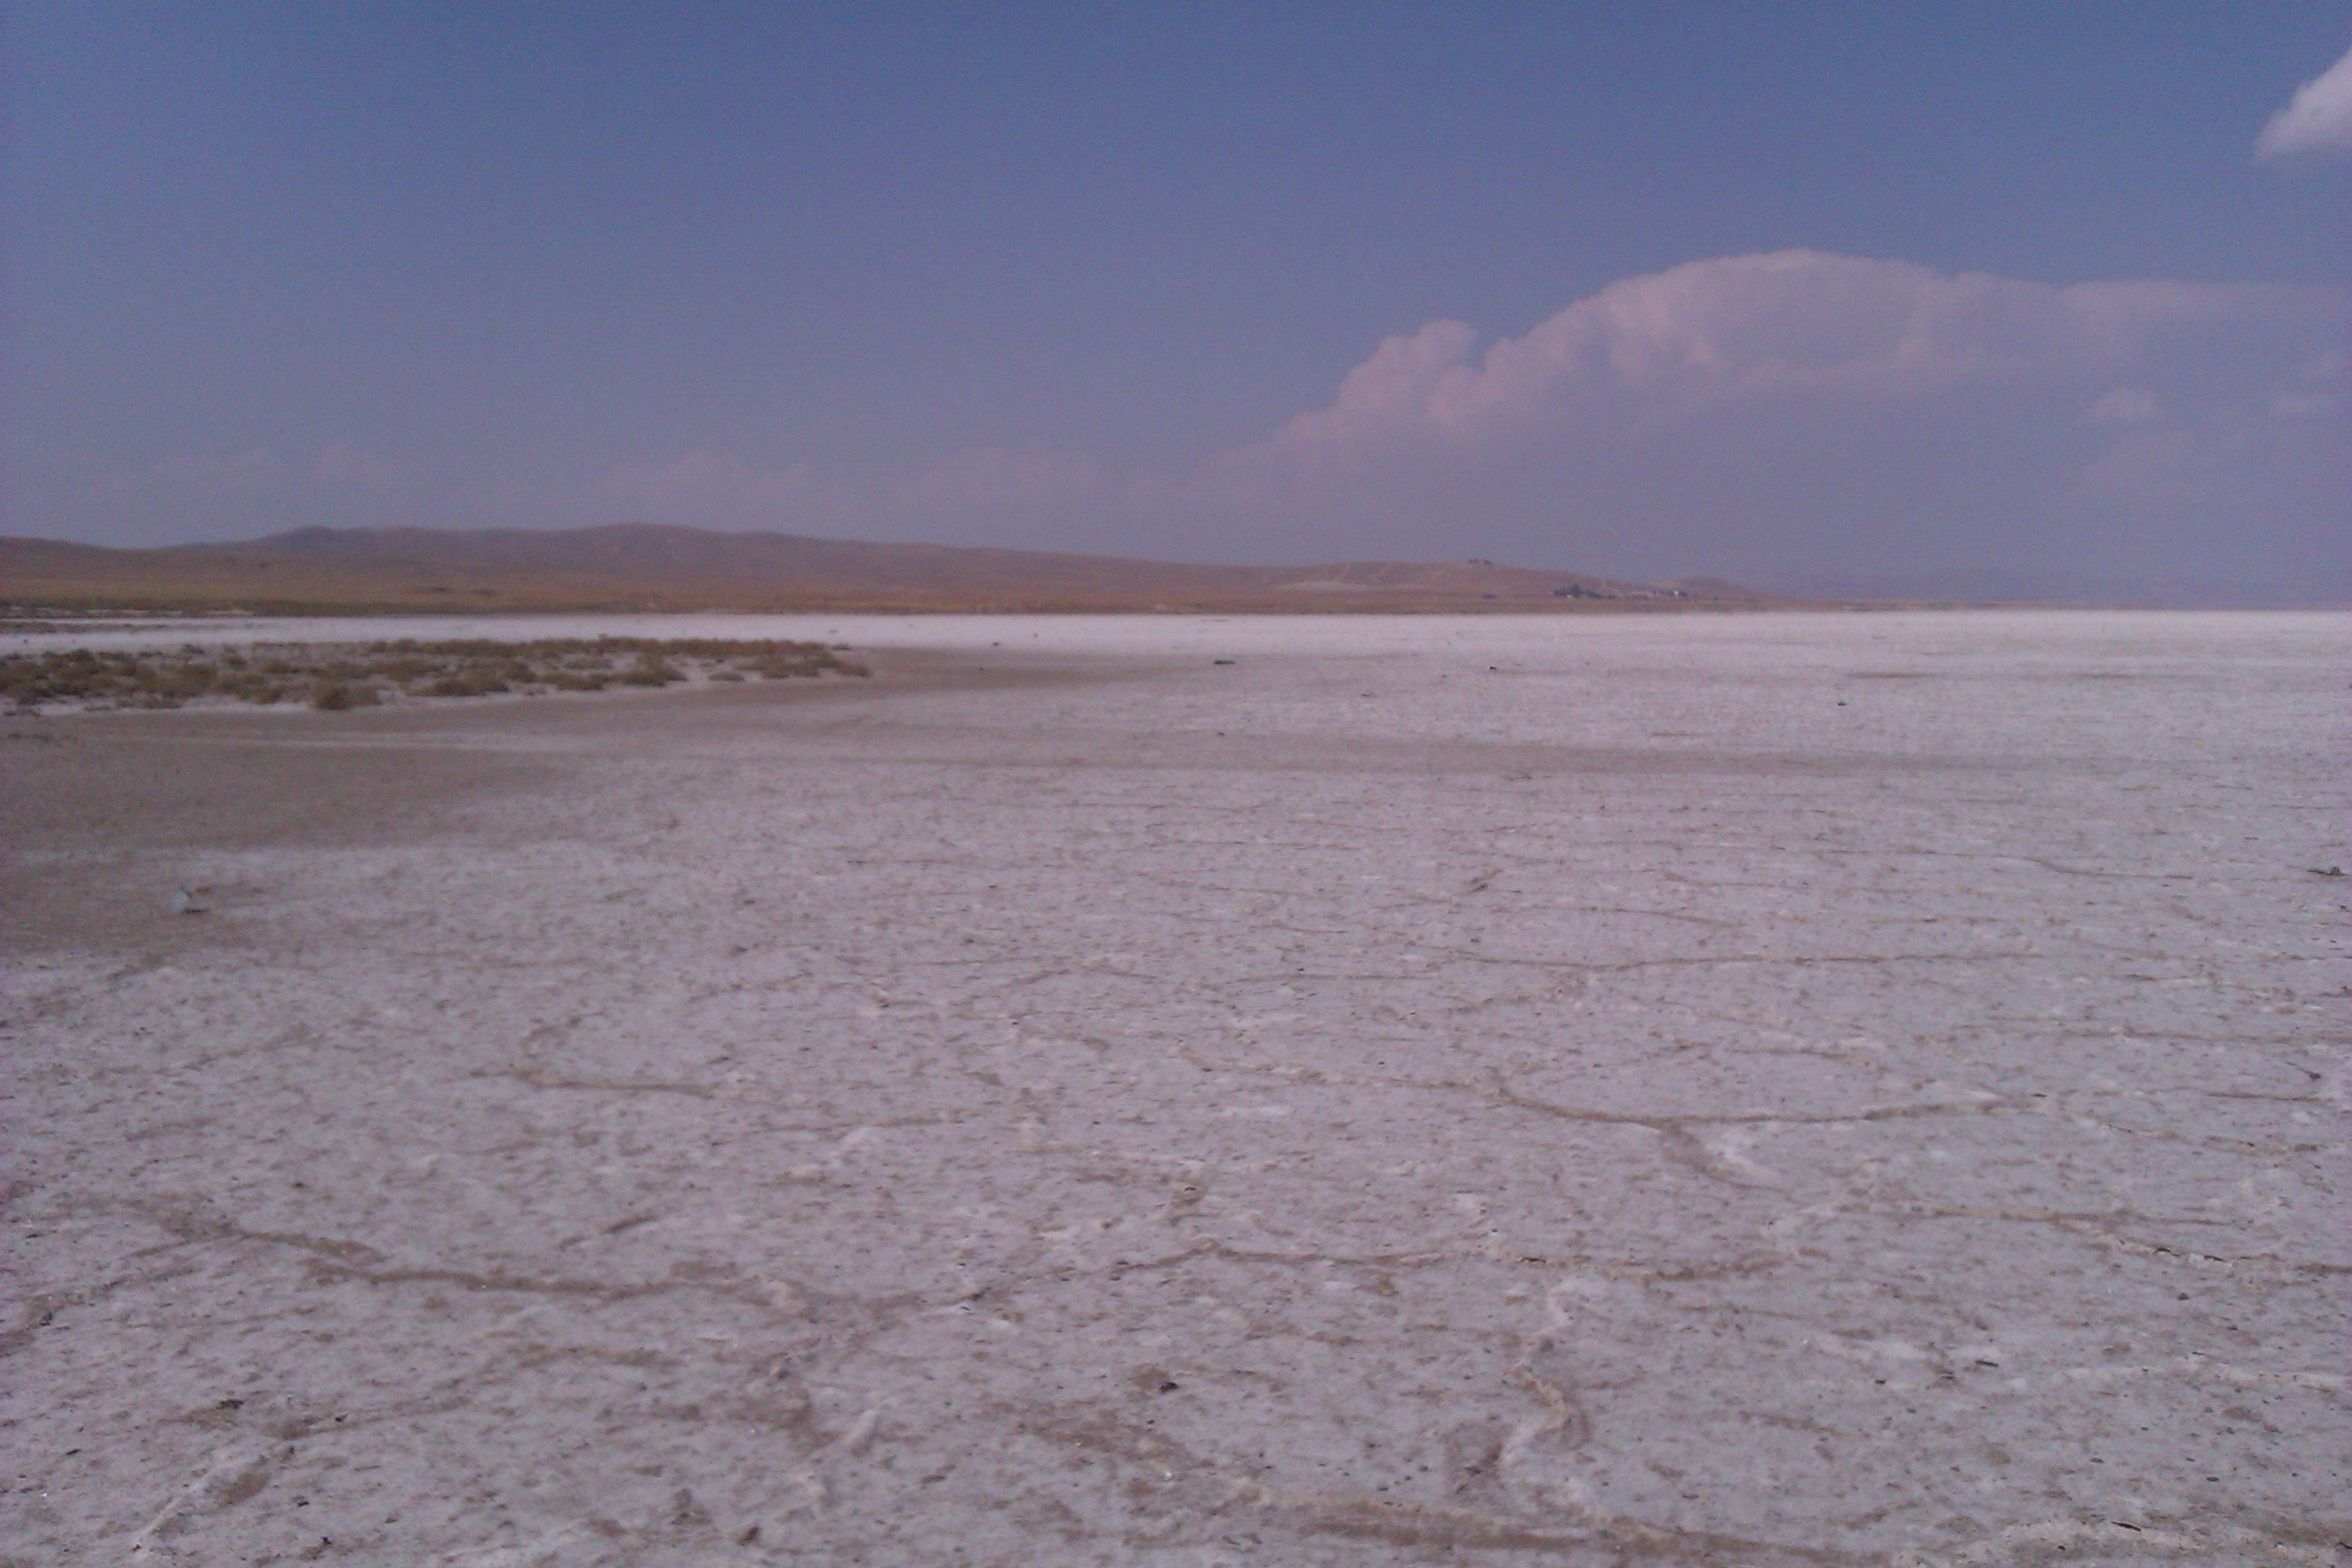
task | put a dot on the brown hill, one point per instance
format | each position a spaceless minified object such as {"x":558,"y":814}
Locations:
{"x":643,"y":566}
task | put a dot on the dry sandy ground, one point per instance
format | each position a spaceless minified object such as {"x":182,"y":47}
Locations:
{"x":1772,"y":1090}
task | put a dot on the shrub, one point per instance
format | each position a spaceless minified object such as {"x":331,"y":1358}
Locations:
{"x":338,"y":676}
{"x":334,"y":696}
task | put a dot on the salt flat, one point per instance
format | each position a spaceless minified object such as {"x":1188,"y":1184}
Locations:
{"x":1746,"y":1091}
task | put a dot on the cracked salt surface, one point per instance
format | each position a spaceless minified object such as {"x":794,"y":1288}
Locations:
{"x":1617,"y":1104}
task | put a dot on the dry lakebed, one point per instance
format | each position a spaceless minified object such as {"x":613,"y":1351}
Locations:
{"x":1769,"y":1090}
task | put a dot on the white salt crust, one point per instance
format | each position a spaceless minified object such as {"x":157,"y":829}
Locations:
{"x":1749,"y":1090}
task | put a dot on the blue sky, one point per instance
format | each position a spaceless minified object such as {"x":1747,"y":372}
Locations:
{"x":1101,"y":278}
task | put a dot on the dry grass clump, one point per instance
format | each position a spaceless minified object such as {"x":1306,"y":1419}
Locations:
{"x":338,"y":675}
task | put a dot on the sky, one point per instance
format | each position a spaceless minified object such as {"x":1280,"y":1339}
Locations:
{"x":1893,"y":296}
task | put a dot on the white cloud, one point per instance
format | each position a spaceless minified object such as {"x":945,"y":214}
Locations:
{"x":2317,"y":120}
{"x":1794,"y":324}
{"x":1788,"y":385}
{"x":1740,"y":413}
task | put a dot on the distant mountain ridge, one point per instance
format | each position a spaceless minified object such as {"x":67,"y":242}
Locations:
{"x":652,"y":566}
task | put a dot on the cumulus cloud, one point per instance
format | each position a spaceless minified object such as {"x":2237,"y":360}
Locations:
{"x":1750,"y":413}
{"x":2317,"y":120}
{"x":1791,"y":324}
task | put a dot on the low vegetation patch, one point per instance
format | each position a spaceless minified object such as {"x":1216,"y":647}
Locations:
{"x":337,"y":676}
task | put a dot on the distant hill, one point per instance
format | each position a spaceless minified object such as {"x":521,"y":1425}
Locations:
{"x":645,"y":566}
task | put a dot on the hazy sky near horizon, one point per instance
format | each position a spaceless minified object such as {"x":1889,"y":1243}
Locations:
{"x":1796,"y":293}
